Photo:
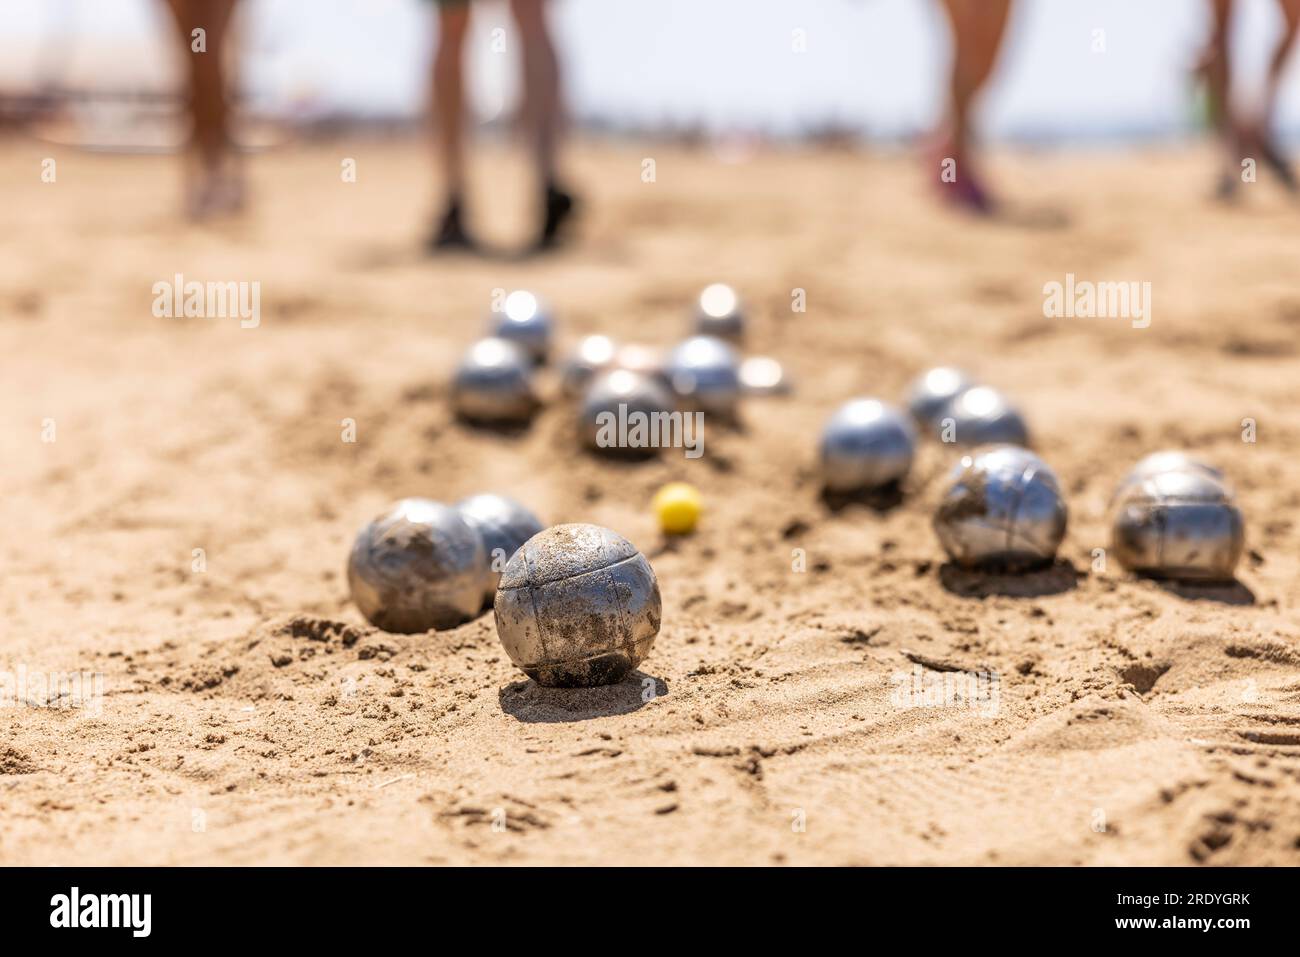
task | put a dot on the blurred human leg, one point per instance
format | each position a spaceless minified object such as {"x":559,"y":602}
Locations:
{"x":1269,"y":151}
{"x":449,"y":120}
{"x":542,"y":111}
{"x":217,"y":187}
{"x":978,"y":27}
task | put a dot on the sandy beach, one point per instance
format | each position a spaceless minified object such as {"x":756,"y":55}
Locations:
{"x":251,"y":716}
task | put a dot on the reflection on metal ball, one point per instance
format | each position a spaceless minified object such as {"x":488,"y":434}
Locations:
{"x":1175,"y":517}
{"x":504,"y":525}
{"x":494,"y":384}
{"x":931,"y":391}
{"x":982,"y":416}
{"x":592,"y":355}
{"x":718,"y":313}
{"x":866,"y":444}
{"x":578,"y":606}
{"x":614,"y":397}
{"x":704,"y":371}
{"x":1003,"y":510}
{"x":762,"y":375}
{"x":418,"y":566}
{"x":525,"y":321}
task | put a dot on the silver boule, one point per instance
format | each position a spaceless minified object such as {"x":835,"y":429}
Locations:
{"x":1003,"y":510}
{"x":525,"y":321}
{"x":704,"y":371}
{"x":505,"y":525}
{"x":578,"y":606}
{"x":763,"y":375}
{"x":866,"y":444}
{"x":612,"y":398}
{"x":982,"y":416}
{"x":931,"y":391}
{"x":1167,"y":460}
{"x":417,"y":566}
{"x":1178,"y":521}
{"x":718,"y":312}
{"x":494,"y":383}
{"x":592,"y":355}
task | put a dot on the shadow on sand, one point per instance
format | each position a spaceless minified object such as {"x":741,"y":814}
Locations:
{"x":529,"y":702}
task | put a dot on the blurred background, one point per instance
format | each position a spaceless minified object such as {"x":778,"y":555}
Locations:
{"x":873,"y":68}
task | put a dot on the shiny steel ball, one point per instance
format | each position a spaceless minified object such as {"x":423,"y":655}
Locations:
{"x":763,"y":375}
{"x":718,"y":313}
{"x":593,"y":355}
{"x":525,"y":321}
{"x":417,"y":566}
{"x":578,"y":606}
{"x":866,"y":444}
{"x":1178,"y":521}
{"x":982,"y":416}
{"x":613,"y":398}
{"x":704,"y":371}
{"x":1003,"y":511}
{"x":1164,"y":461}
{"x":505,"y":525}
{"x":494,"y":383}
{"x":931,"y":391}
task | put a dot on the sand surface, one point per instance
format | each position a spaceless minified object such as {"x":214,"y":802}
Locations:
{"x":249,"y":714}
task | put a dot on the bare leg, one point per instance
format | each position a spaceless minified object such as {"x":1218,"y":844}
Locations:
{"x":449,"y":120}
{"x":542,"y":110}
{"x":218,"y":188}
{"x":1263,"y":132}
{"x":978,"y":27}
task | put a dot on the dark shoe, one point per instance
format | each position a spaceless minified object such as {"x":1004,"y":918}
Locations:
{"x":559,"y":207}
{"x":451,"y":233}
{"x":1278,"y":163}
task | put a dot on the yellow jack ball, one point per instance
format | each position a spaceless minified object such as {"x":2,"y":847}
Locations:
{"x":678,"y":506}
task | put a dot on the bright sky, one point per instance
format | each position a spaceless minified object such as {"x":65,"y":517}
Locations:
{"x":871,"y":64}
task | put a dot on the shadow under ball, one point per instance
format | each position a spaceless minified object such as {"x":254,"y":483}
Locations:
{"x":1182,"y":524}
{"x":983,"y":416}
{"x":866,"y":444}
{"x":504,"y":525}
{"x":577,"y":606}
{"x":931,"y":391}
{"x":1003,"y":510}
{"x":525,"y":321}
{"x":494,"y":383}
{"x":718,"y":313}
{"x":705,"y":372}
{"x":417,"y":566}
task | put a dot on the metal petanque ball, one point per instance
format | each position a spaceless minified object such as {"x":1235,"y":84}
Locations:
{"x":983,"y":416}
{"x":1003,"y":510}
{"x":578,"y":606}
{"x":494,"y":383}
{"x":417,"y":566}
{"x":593,"y":355}
{"x":505,"y":525}
{"x":1164,"y":461}
{"x":615,"y":400}
{"x":763,"y":375}
{"x":718,"y":313}
{"x":705,"y":372}
{"x":524,"y":320}
{"x":866,"y":444}
{"x":931,"y":391}
{"x":1179,"y":520}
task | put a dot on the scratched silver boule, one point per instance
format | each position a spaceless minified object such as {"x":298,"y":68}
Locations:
{"x":718,"y":312}
{"x":1002,"y":510}
{"x":526,"y":321}
{"x":983,"y":416}
{"x":866,"y":444}
{"x":505,"y":525}
{"x":704,"y":371}
{"x":614,"y":396}
{"x":577,"y":606}
{"x":417,"y":566}
{"x":494,"y":383}
{"x":932,"y":390}
{"x":1175,"y":517}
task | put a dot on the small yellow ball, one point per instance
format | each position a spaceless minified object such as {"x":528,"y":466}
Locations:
{"x":678,"y":506}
